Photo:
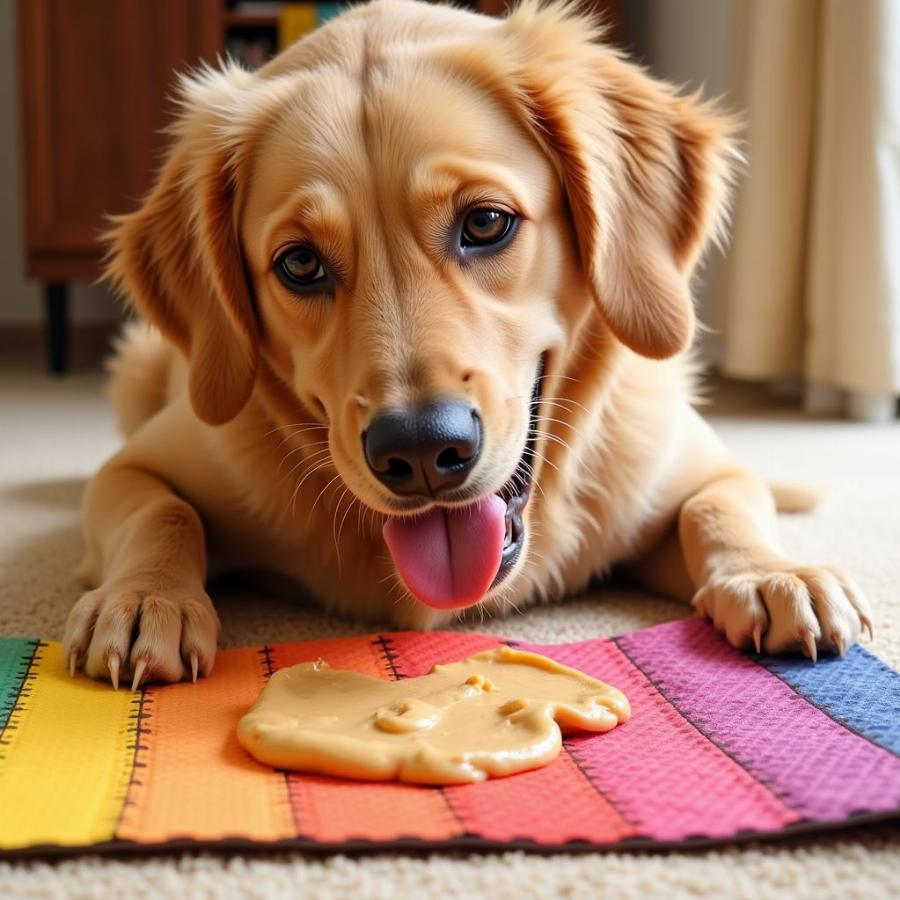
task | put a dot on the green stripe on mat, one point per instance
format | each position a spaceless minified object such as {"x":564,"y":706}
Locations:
{"x":15,"y":660}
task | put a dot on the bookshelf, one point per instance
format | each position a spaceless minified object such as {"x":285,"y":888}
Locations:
{"x":95,"y":80}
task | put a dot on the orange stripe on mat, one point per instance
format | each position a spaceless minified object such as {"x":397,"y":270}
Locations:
{"x":362,"y":654}
{"x":192,"y":779}
{"x":553,"y":805}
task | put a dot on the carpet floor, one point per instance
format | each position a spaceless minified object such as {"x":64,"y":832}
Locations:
{"x":54,"y":434}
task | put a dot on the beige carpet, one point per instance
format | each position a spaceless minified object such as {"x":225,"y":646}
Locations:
{"x":54,"y":433}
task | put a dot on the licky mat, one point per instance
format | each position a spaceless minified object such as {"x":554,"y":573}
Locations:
{"x":721,"y":746}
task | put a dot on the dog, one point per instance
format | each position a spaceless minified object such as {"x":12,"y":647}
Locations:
{"x":420,"y":326}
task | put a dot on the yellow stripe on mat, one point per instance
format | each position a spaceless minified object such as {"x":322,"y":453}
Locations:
{"x":69,"y":794}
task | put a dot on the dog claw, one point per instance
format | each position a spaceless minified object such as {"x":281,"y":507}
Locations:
{"x":867,"y":625}
{"x":73,"y":663}
{"x":757,"y":638}
{"x":809,"y":642}
{"x":838,"y":641}
{"x":139,"y":670}
{"x":194,"y":665}
{"x":112,"y":664}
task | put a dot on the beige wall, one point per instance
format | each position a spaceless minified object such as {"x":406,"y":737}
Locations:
{"x":20,"y":299}
{"x":684,"y":41}
{"x":687,"y":42}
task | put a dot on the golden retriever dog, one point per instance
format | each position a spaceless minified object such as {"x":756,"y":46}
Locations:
{"x":418,"y":294}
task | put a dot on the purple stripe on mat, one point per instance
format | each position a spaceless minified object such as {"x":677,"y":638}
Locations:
{"x":660,"y":773}
{"x":816,"y":765}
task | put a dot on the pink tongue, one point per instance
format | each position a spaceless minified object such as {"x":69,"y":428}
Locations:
{"x":449,"y":557}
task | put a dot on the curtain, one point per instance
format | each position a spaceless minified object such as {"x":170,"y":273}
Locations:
{"x":811,"y":284}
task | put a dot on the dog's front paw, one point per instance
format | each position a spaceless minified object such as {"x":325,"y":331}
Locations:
{"x":786,"y":608}
{"x":128,"y":631}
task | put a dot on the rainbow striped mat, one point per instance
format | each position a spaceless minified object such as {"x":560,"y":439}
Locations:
{"x":721,"y":746}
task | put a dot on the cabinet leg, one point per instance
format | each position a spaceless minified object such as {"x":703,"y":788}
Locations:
{"x":57,"y":307}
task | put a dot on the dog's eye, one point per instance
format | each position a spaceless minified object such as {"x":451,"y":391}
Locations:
{"x":301,"y":270}
{"x":485,"y":227}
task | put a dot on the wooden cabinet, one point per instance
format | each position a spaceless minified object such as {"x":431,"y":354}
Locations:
{"x":94,"y":79}
{"x":94,"y":75}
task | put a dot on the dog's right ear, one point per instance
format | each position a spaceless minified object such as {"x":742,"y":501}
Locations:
{"x":178,"y":257}
{"x":646,"y":172}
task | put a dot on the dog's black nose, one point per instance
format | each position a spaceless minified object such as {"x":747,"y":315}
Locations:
{"x":424,"y":451}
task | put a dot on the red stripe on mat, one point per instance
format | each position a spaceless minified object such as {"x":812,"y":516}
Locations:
{"x":550,"y":805}
{"x":414,"y":654}
{"x":331,"y":810}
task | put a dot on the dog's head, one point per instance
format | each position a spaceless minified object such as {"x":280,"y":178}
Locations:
{"x":411,"y":219}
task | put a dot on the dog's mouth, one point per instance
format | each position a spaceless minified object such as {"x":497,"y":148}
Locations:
{"x":517,"y":490}
{"x":450,"y":557}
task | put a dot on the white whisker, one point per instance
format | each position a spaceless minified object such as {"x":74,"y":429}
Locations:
{"x":562,"y":401}
{"x":552,"y":437}
{"x":543,"y":458}
{"x":306,"y":459}
{"x":296,"y":492}
{"x":323,"y":464}
{"x":334,"y":534}
{"x":558,"y":421}
{"x":353,"y":499}
{"x":321,"y":493}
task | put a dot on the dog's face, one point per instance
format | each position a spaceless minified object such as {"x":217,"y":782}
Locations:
{"x":414,"y":243}
{"x":414,"y":266}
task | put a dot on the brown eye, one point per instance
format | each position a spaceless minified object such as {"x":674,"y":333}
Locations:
{"x":483,"y":227}
{"x":301,"y":270}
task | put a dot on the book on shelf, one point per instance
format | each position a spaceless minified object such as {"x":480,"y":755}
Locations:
{"x":298,"y":19}
{"x":294,"y":21}
{"x":253,"y":43}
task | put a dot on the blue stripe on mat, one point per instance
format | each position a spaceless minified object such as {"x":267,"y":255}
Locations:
{"x":859,"y":691}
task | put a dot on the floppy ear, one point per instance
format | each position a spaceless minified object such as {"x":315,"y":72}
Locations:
{"x":178,"y":257}
{"x":646,"y":172}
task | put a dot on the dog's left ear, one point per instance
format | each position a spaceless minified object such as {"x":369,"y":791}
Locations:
{"x":178,"y":257}
{"x":646,"y":172}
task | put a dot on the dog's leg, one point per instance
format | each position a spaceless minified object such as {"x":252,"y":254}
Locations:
{"x":745,"y":585}
{"x":150,"y":616}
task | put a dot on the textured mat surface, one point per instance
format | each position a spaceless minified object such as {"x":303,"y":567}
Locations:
{"x":63,"y":430}
{"x":721,"y":746}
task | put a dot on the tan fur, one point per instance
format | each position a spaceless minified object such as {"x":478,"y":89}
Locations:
{"x":146,"y":374}
{"x":365,"y":138}
{"x":795,"y":498}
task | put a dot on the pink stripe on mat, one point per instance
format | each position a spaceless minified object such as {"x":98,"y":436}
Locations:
{"x":819,"y":767}
{"x":660,"y":772}
{"x":561,"y":797}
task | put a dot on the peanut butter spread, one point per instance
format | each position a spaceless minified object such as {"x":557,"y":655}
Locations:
{"x":495,"y":713}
